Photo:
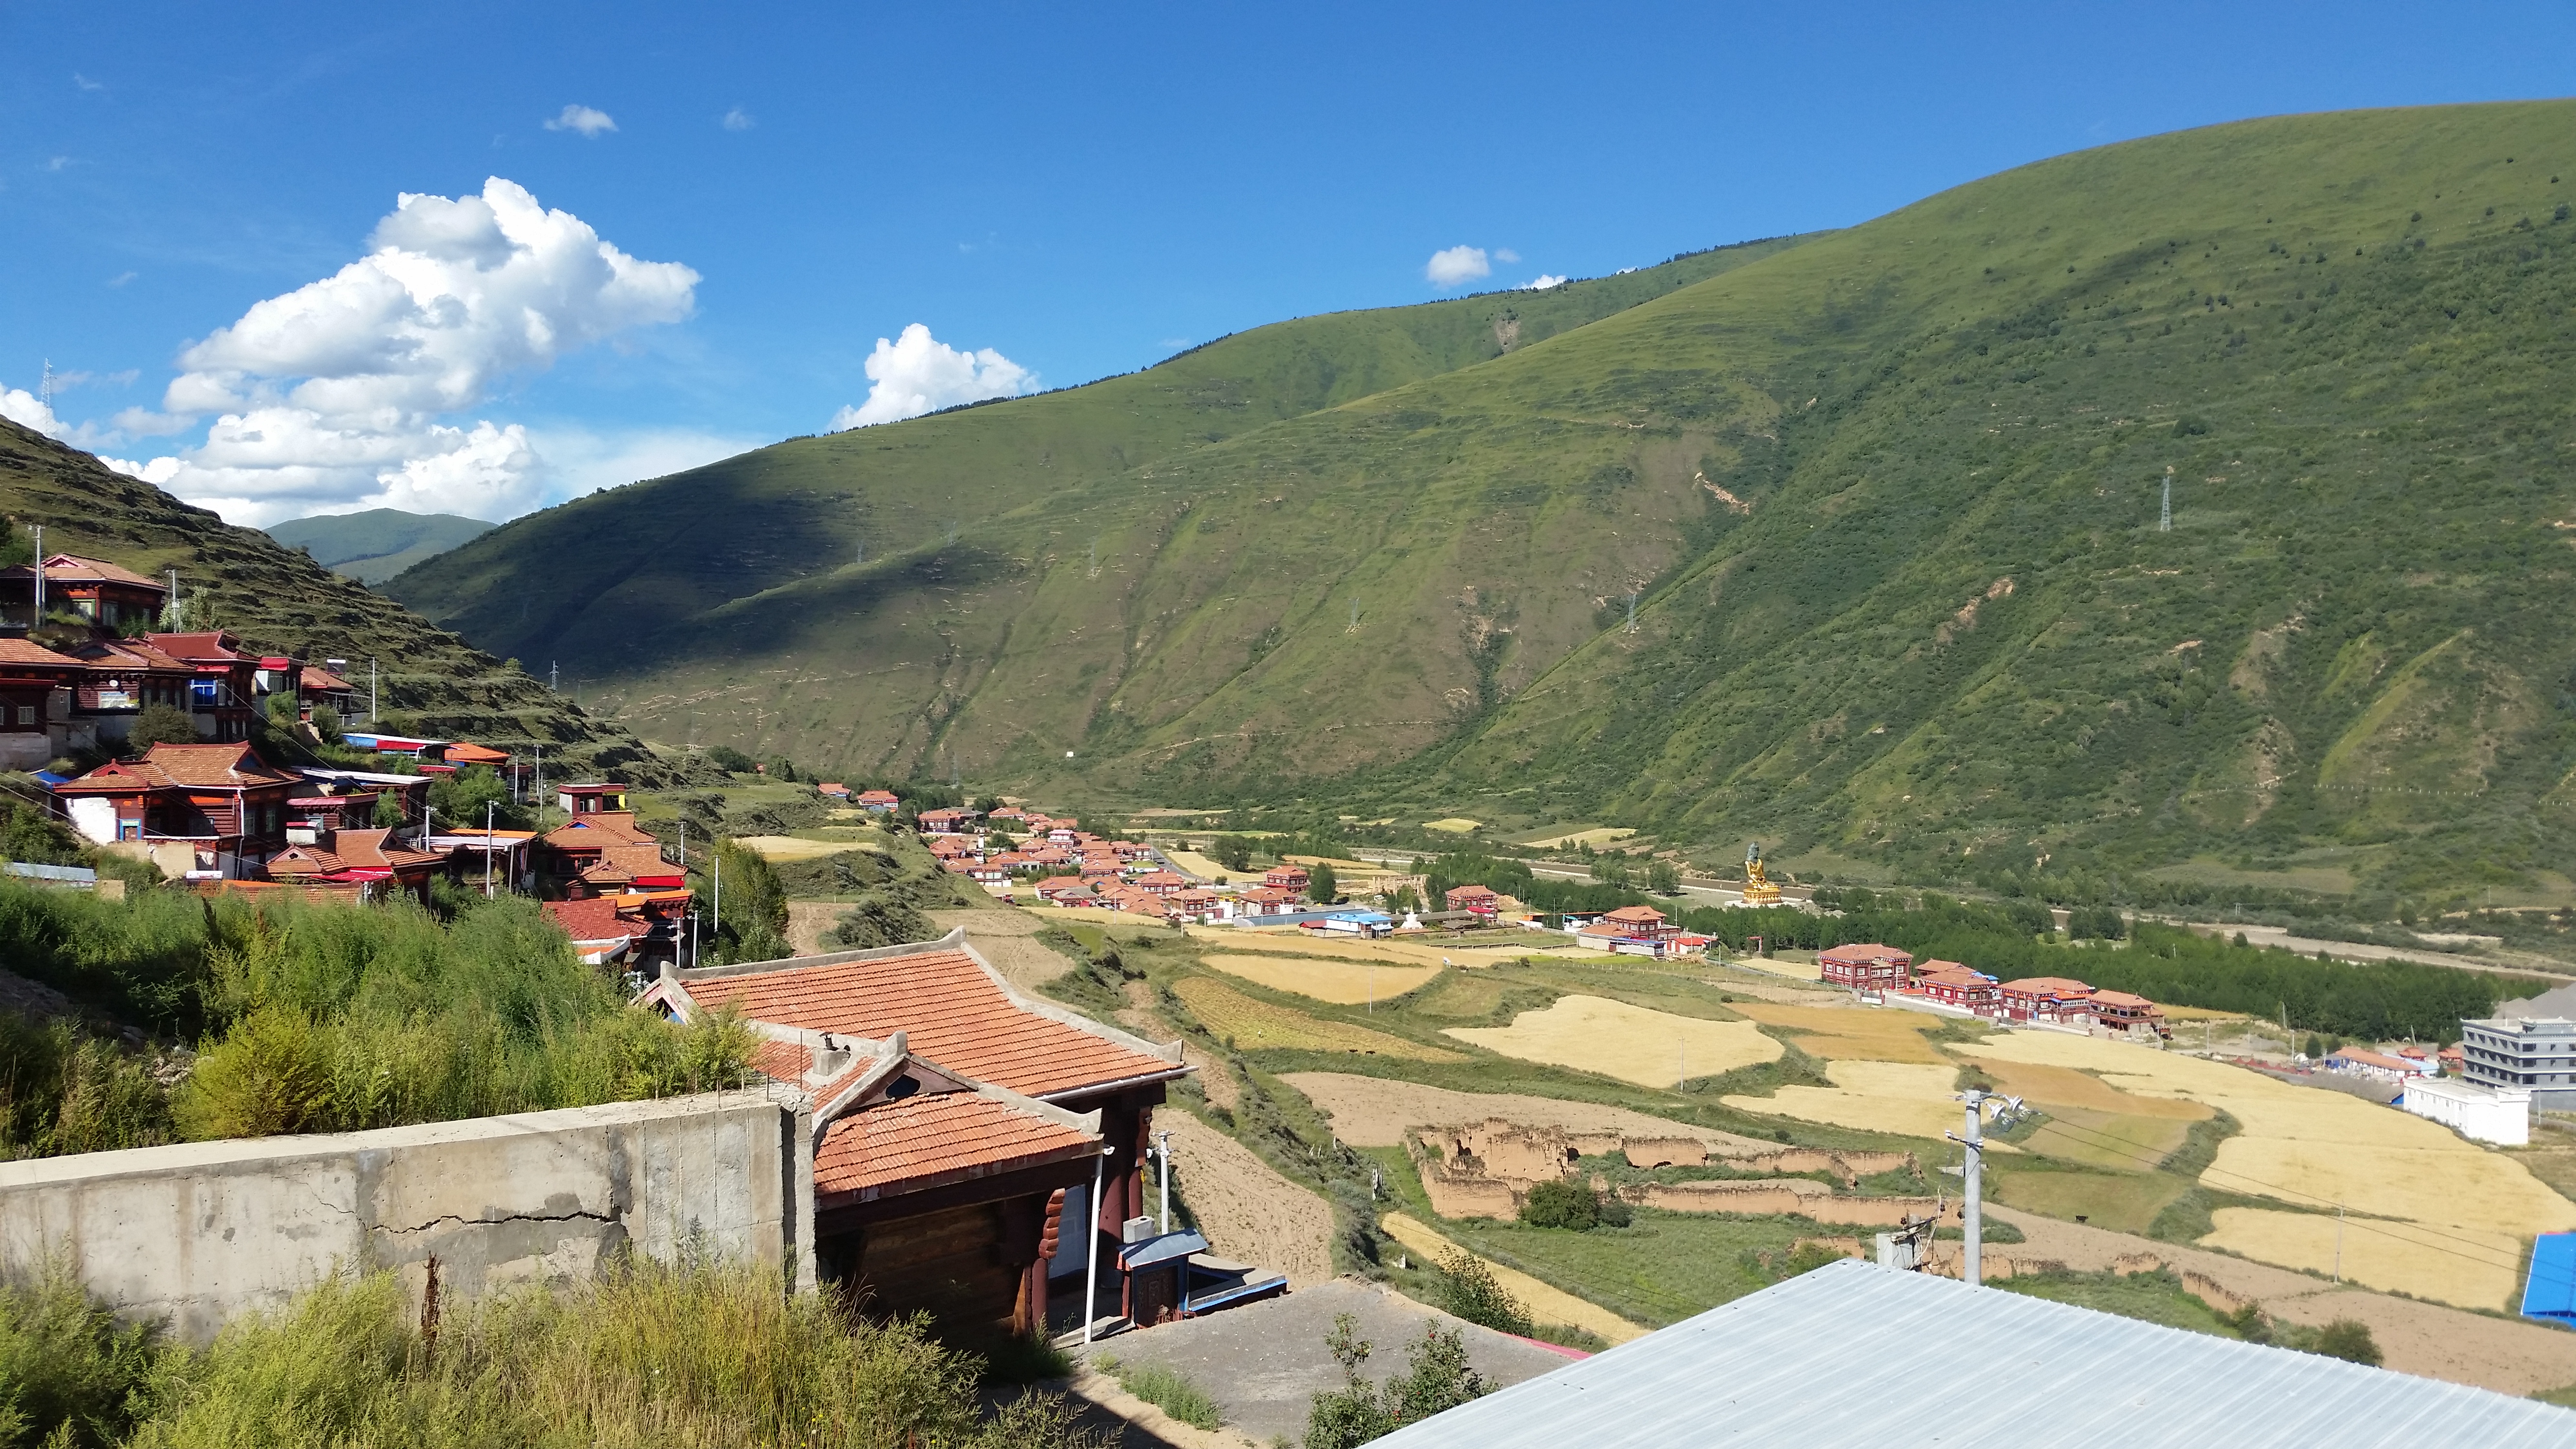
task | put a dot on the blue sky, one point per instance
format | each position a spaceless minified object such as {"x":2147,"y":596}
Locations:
{"x":1070,"y":192}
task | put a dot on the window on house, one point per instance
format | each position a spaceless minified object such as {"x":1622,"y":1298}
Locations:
{"x":205,"y":690}
{"x":26,"y":714}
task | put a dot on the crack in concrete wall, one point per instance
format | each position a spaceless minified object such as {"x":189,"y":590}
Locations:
{"x":198,"y":1232}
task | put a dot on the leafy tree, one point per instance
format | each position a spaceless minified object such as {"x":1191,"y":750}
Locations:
{"x":1322,"y":885}
{"x":753,"y":923}
{"x":780,"y":768}
{"x":326,"y":723}
{"x":160,"y":724}
{"x":16,"y":548}
{"x":1468,"y":1290}
{"x":459,"y":798}
{"x":389,"y":812}
{"x":729,"y":759}
{"x":1663,"y":878}
{"x":1438,"y":1377}
{"x":1610,"y":870}
{"x":1562,"y":1205}
{"x":1234,"y":853}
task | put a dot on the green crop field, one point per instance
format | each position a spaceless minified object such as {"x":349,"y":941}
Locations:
{"x":1887,"y":500}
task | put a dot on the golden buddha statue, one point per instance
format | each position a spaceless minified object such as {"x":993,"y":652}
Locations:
{"x":1758,"y":887}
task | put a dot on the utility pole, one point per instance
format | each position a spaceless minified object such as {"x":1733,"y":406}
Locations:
{"x":38,"y":619}
{"x":554,"y":677}
{"x":2164,"y":524}
{"x":541,"y":784}
{"x":718,"y":858}
{"x":1972,"y":1171}
{"x":488,"y":806}
{"x":1091,"y":1235}
{"x":373,"y":702}
{"x":1632,"y":611}
{"x":1163,"y":1154}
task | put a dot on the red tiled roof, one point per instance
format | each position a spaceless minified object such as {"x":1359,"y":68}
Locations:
{"x":22,"y":651}
{"x":2048,"y":986}
{"x":784,"y":1061}
{"x":1641,"y":914}
{"x":199,"y":766}
{"x":953,"y":1015}
{"x":930,"y":1140}
{"x":2124,"y":1000}
{"x":69,"y":566}
{"x":595,"y":919}
{"x":1864,"y":951}
{"x":599,"y":830}
{"x":195,"y":648}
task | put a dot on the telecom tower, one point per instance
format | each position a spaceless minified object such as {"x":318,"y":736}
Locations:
{"x":45,"y":386}
{"x":2164,"y":522}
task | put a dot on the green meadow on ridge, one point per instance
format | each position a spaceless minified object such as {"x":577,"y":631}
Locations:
{"x":1887,"y":501}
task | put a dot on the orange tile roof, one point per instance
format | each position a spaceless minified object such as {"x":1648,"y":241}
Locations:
{"x":935,"y":1139}
{"x":596,"y":919}
{"x":197,"y":648}
{"x":2048,"y":986}
{"x":185,"y":766}
{"x":71,"y":566}
{"x":21,"y":651}
{"x":953,"y":1015}
{"x":461,"y":753}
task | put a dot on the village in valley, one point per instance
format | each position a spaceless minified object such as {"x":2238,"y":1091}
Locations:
{"x":1284,"y":1085}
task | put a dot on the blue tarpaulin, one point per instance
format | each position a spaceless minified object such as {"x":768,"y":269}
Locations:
{"x":2551,"y":1291}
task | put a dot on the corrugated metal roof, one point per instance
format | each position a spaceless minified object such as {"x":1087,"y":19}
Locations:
{"x":1853,"y":1355}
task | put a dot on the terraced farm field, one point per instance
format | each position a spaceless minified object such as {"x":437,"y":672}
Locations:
{"x":1252,"y":1025}
{"x":1615,"y":1039}
{"x":1344,"y":983}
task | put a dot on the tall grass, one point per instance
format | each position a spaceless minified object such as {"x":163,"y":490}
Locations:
{"x":315,"y":1018}
{"x":645,"y":1355}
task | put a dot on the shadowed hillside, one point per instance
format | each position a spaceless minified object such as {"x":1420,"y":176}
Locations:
{"x":278,"y":598}
{"x":1887,"y":500}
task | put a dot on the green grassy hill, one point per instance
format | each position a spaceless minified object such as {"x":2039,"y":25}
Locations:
{"x":379,"y":543}
{"x":278,"y":598}
{"x":1887,"y":499}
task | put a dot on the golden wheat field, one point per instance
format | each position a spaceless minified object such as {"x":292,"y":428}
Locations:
{"x":1904,"y":1098}
{"x":1847,"y":1032}
{"x":2447,"y":1265}
{"x":1251,"y":1025}
{"x":2318,"y":1148}
{"x":1351,"y":948}
{"x":1546,"y":1304}
{"x":1649,"y":1048}
{"x":1344,"y":983}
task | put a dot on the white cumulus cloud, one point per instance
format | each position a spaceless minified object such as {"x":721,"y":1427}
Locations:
{"x":340,"y":394}
{"x":1458,"y":264}
{"x":29,"y":411}
{"x":1506,"y":254}
{"x":1545,"y":283}
{"x":738,"y":119}
{"x":918,"y":374}
{"x":584,"y":119}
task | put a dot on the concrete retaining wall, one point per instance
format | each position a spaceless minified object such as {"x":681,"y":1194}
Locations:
{"x":198,"y":1232}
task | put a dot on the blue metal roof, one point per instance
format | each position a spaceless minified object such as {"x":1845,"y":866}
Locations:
{"x":1853,"y":1356}
{"x":2550,"y":1292}
{"x":1161,"y":1249}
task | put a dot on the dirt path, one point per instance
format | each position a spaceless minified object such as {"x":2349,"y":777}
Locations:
{"x":1376,"y":1112}
{"x":806,"y":923}
{"x":2420,"y":1338}
{"x":2539,"y":968}
{"x":1247,"y":1210}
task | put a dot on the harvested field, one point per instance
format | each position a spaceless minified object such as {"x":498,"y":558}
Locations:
{"x":793,"y":847}
{"x":1614,"y":1039}
{"x":1546,"y":1304}
{"x":1008,"y":939}
{"x":2055,"y":1087}
{"x":2510,"y":1356}
{"x":1899,"y":1097}
{"x":1344,"y":983}
{"x":1245,"y":1208}
{"x":1398,"y":952}
{"x":1376,"y":1112}
{"x":1600,"y":835}
{"x":1852,"y":1033}
{"x":1252,"y":1025}
{"x":2447,"y":1264}
{"x":2317,"y":1149}
{"x":1789,"y":966}
{"x":1199,"y":865}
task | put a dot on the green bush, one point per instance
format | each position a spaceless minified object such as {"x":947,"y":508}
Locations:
{"x":1468,"y":1291}
{"x":64,"y":1091}
{"x":159,"y":724}
{"x":69,"y":1373}
{"x":1562,"y":1205}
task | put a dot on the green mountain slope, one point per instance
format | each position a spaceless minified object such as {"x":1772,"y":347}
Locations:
{"x":277,"y":598}
{"x":1887,"y":501}
{"x":611,"y":585}
{"x":379,"y":543}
